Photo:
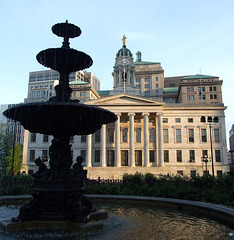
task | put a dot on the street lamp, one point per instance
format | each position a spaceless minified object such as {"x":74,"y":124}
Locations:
{"x":205,"y":159}
{"x":210,"y":120}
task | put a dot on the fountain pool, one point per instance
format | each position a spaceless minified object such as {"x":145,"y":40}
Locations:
{"x":134,"y":221}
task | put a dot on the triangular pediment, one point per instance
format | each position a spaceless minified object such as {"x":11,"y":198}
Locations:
{"x":125,"y":100}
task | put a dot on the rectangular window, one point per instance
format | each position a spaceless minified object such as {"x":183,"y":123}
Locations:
{"x":188,"y":97}
{"x":33,"y":137}
{"x":157,"y":93}
{"x":211,"y":89}
{"x":124,"y":157}
{"x":179,"y":155}
{"x":38,"y":94}
{"x":156,"y":85}
{"x":125,"y":135}
{"x":156,"y":79}
{"x":45,"y":155}
{"x":83,"y":138}
{"x":166,"y":155}
{"x":190,"y":120}
{"x":192,"y":97}
{"x":188,"y":89}
{"x":83,"y":155}
{"x":124,"y":120}
{"x":138,"y":157}
{"x":215,"y":89}
{"x":97,"y":156}
{"x":165,"y":120}
{"x":97,"y":136}
{"x":45,"y":138}
{"x":177,"y":120}
{"x":203,"y":135}
{"x":151,"y":155}
{"x":147,"y":79}
{"x":165,"y":135}
{"x":217,"y":156}
{"x":204,"y":97}
{"x":180,"y":172}
{"x":192,"y":155}
{"x":137,"y":120}
{"x":110,"y":158}
{"x":147,"y":85}
{"x":178,"y":135}
{"x":80,"y":94}
{"x":110,"y":133}
{"x":219,"y":173}
{"x":211,"y":96}
{"x":191,"y":135}
{"x":151,"y":135}
{"x":216,"y":135}
{"x":215,"y":96}
{"x":138,"y":135}
{"x":193,"y":173}
{"x":192,"y":89}
{"x":204,"y":153}
{"x":138,"y":80}
{"x":32,"y":155}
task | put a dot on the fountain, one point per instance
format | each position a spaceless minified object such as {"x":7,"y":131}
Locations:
{"x":58,"y":193}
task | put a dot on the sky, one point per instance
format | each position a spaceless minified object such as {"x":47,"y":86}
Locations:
{"x":186,"y":36}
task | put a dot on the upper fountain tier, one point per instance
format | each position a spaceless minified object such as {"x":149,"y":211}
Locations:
{"x":65,"y":59}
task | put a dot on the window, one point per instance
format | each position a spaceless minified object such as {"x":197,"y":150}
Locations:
{"x":151,"y":155}
{"x":165,"y":120}
{"x":192,"y":97}
{"x":138,"y":80}
{"x":110,"y":136}
{"x":179,"y":155}
{"x":38,"y":94}
{"x":180,"y":172}
{"x":125,"y":135}
{"x":43,"y":94}
{"x":219,"y":173}
{"x":147,"y":93}
{"x":190,"y":120}
{"x":32,"y":155}
{"x":80,"y":94}
{"x":97,"y":136}
{"x":191,"y":155}
{"x":45,"y":138}
{"x":33,"y":137}
{"x":216,"y":135}
{"x":192,"y":89}
{"x":217,"y":156}
{"x":193,"y":173}
{"x":156,"y":79}
{"x":215,"y":96}
{"x":177,"y":120}
{"x":203,"y":135}
{"x":157,"y":93}
{"x":110,"y":158}
{"x":84,"y":93}
{"x":97,"y":156}
{"x":204,"y":97}
{"x":211,"y":89}
{"x":124,"y":120}
{"x":45,"y":155}
{"x":215,"y":89}
{"x":191,"y":135}
{"x":203,"y":89}
{"x":147,"y":85}
{"x":151,"y":135}
{"x":138,"y":157}
{"x":124,"y":157}
{"x":166,"y":155}
{"x":138,"y":135}
{"x":156,"y":85}
{"x":83,"y":155}
{"x":165,"y":135}
{"x":211,"y":96}
{"x":83,"y":138}
{"x":188,"y":89}
{"x":33,"y":94}
{"x":147,"y":79}
{"x":137,"y":120}
{"x":178,"y":135}
{"x":188,"y":97}
{"x":151,"y":120}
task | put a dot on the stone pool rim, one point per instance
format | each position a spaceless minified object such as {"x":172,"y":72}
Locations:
{"x":220,"y":213}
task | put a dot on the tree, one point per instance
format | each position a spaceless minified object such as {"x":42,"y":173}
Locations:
{"x":14,"y":162}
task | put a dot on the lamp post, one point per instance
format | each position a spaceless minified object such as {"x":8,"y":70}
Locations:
{"x":210,"y":120}
{"x":205,"y":159}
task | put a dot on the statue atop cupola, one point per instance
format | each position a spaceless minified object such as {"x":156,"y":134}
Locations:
{"x":124,"y":71}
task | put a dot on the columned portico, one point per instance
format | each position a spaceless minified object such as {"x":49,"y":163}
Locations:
{"x":89,"y":150}
{"x":131,"y":140}
{"x":146,"y":139}
{"x":117,"y":141}
{"x":103,"y":146}
{"x":160,"y":150}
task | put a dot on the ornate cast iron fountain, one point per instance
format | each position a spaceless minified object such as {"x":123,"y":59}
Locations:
{"x":58,"y":192}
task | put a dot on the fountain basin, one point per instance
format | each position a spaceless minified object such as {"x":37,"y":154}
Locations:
{"x":60,"y":118}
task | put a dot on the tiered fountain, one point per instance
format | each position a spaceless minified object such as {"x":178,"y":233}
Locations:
{"x":58,"y":192}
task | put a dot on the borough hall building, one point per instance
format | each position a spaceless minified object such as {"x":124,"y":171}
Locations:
{"x":173,"y":125}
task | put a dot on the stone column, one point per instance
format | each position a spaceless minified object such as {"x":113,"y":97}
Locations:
{"x":160,"y":145}
{"x":131,"y":140}
{"x":103,"y":146}
{"x":117,"y":141}
{"x":89,"y":150}
{"x":146,"y":140}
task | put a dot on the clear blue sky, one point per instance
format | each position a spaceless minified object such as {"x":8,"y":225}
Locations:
{"x":184,"y":35}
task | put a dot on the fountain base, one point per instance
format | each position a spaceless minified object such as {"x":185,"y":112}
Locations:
{"x":91,"y":225}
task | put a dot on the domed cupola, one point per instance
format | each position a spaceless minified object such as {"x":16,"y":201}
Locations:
{"x":124,"y":71}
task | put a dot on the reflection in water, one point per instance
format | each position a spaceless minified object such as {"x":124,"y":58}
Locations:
{"x":127,"y":221}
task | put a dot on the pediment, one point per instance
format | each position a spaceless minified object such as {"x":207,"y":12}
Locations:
{"x":124,"y":100}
